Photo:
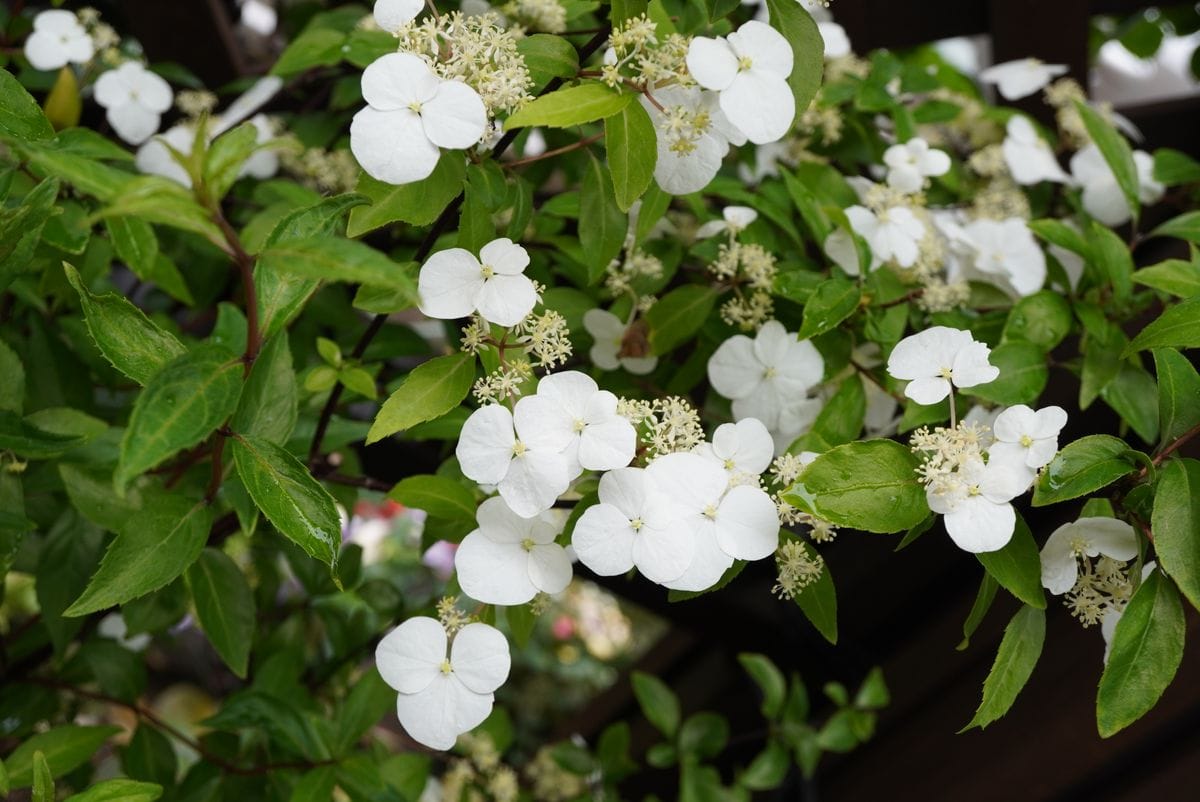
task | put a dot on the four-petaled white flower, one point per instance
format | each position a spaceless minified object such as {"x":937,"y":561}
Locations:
{"x":579,"y":412}
{"x":631,"y":527}
{"x":1025,"y":437}
{"x":608,"y":349}
{"x":938,"y":359}
{"x":1086,"y":537}
{"x":734,"y":220}
{"x":743,"y":449}
{"x":749,"y":68}
{"x":692,"y":136}
{"x":442,"y":694}
{"x":1007,"y":250}
{"x":527,"y":465}
{"x":724,"y":523}
{"x":911,"y":163}
{"x":975,"y":508}
{"x":391,"y":14}
{"x":58,"y":39}
{"x":134,"y":99}
{"x":410,"y":113}
{"x":894,"y":234}
{"x":1029,"y":157}
{"x":769,"y":377}
{"x":1102,"y":195}
{"x":1021,"y":78}
{"x":509,"y":559}
{"x":453,"y":284}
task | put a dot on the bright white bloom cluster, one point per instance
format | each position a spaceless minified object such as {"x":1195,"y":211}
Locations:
{"x":1021,"y":78}
{"x":693,"y":136}
{"x":445,"y":688}
{"x":58,"y":39}
{"x":454,"y":283}
{"x":938,"y":359}
{"x":509,"y":559}
{"x":134,"y":99}
{"x":911,"y":163}
{"x":769,"y":378}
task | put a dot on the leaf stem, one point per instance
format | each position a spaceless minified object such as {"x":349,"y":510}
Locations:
{"x":583,"y":143}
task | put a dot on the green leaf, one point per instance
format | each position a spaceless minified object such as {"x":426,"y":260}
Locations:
{"x":1116,"y":152}
{"x":1018,"y":566}
{"x":314,"y":47}
{"x":1174,"y":276}
{"x":1178,"y":394}
{"x":1083,"y":467}
{"x":983,"y":602}
{"x":703,"y":735}
{"x":1176,"y":524}
{"x":224,"y":159}
{"x":630,"y":139}
{"x":572,"y":105}
{"x":368,"y":702}
{"x":333,"y":259}
{"x":602,"y":224}
{"x":224,"y":607}
{"x":808,"y":49}
{"x":65,"y":748}
{"x":431,"y":390}
{"x":1177,"y":327}
{"x":840,"y":420}
{"x":1147,"y":648}
{"x":43,"y":780}
{"x":160,"y":200}
{"x":870,"y":485}
{"x":150,"y":756}
{"x":29,"y":441}
{"x":1111,"y":255}
{"x":548,"y":57}
{"x":293,"y":501}
{"x":86,"y":175}
{"x":678,"y":315}
{"x":268,"y":406}
{"x":1186,"y":226}
{"x":128,"y":339}
{"x":417,"y":204}
{"x":20,"y":116}
{"x":437,"y":495}
{"x":1023,"y":375}
{"x":832,"y":301}
{"x":658,"y":702}
{"x":818,"y":601}
{"x":1134,"y":396}
{"x":1043,"y":319}
{"x":119,"y":791}
{"x":1019,"y":651}
{"x":182,"y":404}
{"x":150,"y":550}
{"x":769,"y":768}
{"x":1173,"y":167}
{"x":135,"y":243}
{"x":1059,"y":233}
{"x":769,"y":679}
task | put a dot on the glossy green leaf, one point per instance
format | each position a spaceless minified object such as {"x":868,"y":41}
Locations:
{"x":547,"y":57}
{"x":417,"y":204}
{"x":818,"y":601}
{"x":1043,"y":319}
{"x":32,"y":442}
{"x":224,"y":607}
{"x":658,"y":702}
{"x":808,"y":49}
{"x":832,"y":301}
{"x":769,"y":679}
{"x":1177,"y":327}
{"x":1083,"y":467}
{"x":436,"y":495}
{"x":65,"y":749}
{"x":1018,"y":566}
{"x":979,"y":609}
{"x":333,"y":259}
{"x":43,"y":780}
{"x":1178,"y":394}
{"x":1023,"y":375}
{"x":431,"y":390}
{"x":1173,"y":167}
{"x":1059,"y":233}
{"x":20,"y":116}
{"x":119,"y":791}
{"x":268,"y":406}
{"x":1019,"y":651}
{"x":1174,"y":276}
{"x":1111,"y":255}
{"x":1176,"y":524}
{"x":630,"y":141}
{"x":572,"y":105}
{"x":678,"y":315}
{"x":1134,"y":396}
{"x":1186,"y":226}
{"x":602,"y":224}
{"x":1116,"y":153}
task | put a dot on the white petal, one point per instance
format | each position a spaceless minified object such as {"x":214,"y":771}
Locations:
{"x":1049,"y":422}
{"x":1021,"y":78}
{"x":839,"y":246}
{"x":927,"y":389}
{"x":391,"y":14}
{"x":58,"y":21}
{"x":449,"y":283}
{"x":639,"y":365}
{"x":971,"y":366}
{"x":247,"y":103}
{"x":685,"y":173}
{"x":504,"y":256}
{"x":747,"y":524}
{"x":734,"y":369}
{"x":602,"y":324}
{"x":113,"y":88}
{"x":411,"y":655}
{"x":1104,"y":201}
{"x":493,"y":573}
{"x":747,"y":443}
{"x":133,"y":123}
{"x":801,"y":364}
{"x":934,"y":162}
{"x":485,"y":445}
{"x":603,"y":539}
{"x":837,"y":43}
{"x":1014,"y":423}
{"x":977,"y":525}
{"x":712,"y":62}
{"x":543,"y":425}
{"x":153,"y":92}
{"x":549,"y":568}
{"x":608,"y":445}
{"x":604,"y":355}
{"x":480,"y":657}
{"x":397,"y":80}
{"x":570,"y":389}
{"x":534,"y":481}
{"x":445,"y":710}
{"x":709,"y":562}
{"x":767,"y":47}
{"x":500,"y":524}
{"x":760,"y":104}
{"x":905,"y":178}
{"x":455,"y":117}
{"x":1110,"y":537}
{"x":739,"y":217}
{"x":45,"y":51}
{"x":688,"y":480}
{"x":506,"y":300}
{"x":663,"y":554}
{"x":1060,"y":568}
{"x":711,"y":229}
{"x":391,"y":146}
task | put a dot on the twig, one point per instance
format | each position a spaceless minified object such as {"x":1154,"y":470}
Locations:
{"x":365,"y":482}
{"x":583,"y":143}
{"x":245,"y":266}
{"x":214,"y":482}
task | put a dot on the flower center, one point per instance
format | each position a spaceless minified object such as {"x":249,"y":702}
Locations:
{"x":415,"y":107}
{"x":1079,"y":545}
{"x":973,"y":490}
{"x":710,"y":512}
{"x":518,"y":448}
{"x":527,"y":544}
{"x":578,"y":425}
{"x":946,"y":373}
{"x":446,"y":667}
{"x":636,"y":524}
{"x":730,"y":464}
{"x":770,"y":373}
{"x":1026,"y":440}
{"x":487,"y":271}
{"x":745,"y":63}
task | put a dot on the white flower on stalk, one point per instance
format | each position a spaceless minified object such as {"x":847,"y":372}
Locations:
{"x":743,"y":449}
{"x":442,"y":692}
{"x":749,"y":68}
{"x":453,"y":284}
{"x":509,"y":559}
{"x":58,"y":39}
{"x":974,"y":506}
{"x":1006,"y":249}
{"x":734,"y":221}
{"x":608,"y":335}
{"x":134,"y":99}
{"x":692,"y":136}
{"x":1086,"y":537}
{"x":631,"y":527}
{"x":894,"y":234}
{"x":909,"y":164}
{"x":577,"y":411}
{"x":410,"y":114}
{"x":517,"y":452}
{"x":392,"y":14}
{"x":1102,"y":195}
{"x":1029,"y":157}
{"x":1021,"y":78}
{"x":724,"y":523}
{"x":769,"y":377}
{"x":1026,"y":437}
{"x":938,"y":359}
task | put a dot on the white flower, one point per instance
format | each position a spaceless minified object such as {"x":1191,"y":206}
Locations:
{"x":734,"y":220}
{"x":528,"y":466}
{"x":1025,"y":437}
{"x":631,"y":527}
{"x":1102,"y":196}
{"x":392,"y":14}
{"x":692,"y":136}
{"x":608,"y":334}
{"x":410,"y":113}
{"x":911,"y":163}
{"x":1021,"y":78}
{"x":749,"y":68}
{"x":768,"y":377}
{"x":58,"y":39}
{"x":938,"y":359}
{"x":1007,"y":249}
{"x":1086,"y":537}
{"x":893,"y":235}
{"x":1028,"y":156}
{"x":113,"y":626}
{"x":453,"y":284}
{"x":135,"y":100}
{"x":743,"y":449}
{"x":837,"y":43}
{"x":263,"y":162}
{"x":975,"y":508}
{"x":739,"y":523}
{"x":585,"y":417}
{"x":509,"y":559}
{"x":442,"y":695}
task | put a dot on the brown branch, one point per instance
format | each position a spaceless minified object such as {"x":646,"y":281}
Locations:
{"x":365,"y":482}
{"x":583,"y":143}
{"x":214,"y":482}
{"x":245,"y":266}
